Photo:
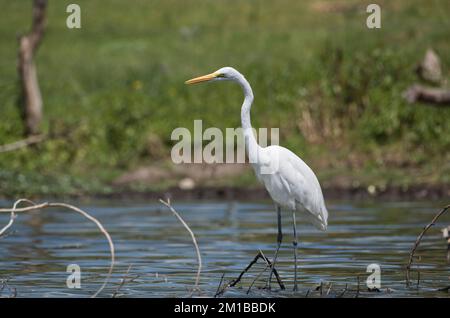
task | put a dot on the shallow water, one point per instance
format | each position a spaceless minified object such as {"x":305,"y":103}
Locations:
{"x":35,"y":254}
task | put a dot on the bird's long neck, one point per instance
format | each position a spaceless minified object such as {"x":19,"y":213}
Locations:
{"x":250,"y":140}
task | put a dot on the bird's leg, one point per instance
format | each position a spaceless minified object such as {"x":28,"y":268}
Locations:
{"x":295,"y":243}
{"x":279,"y":240}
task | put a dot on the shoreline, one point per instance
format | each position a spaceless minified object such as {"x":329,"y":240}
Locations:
{"x":425,"y":192}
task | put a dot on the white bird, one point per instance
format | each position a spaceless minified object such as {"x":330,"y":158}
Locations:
{"x":289,"y":181}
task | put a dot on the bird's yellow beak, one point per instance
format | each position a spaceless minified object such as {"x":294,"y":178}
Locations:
{"x":203,"y":78}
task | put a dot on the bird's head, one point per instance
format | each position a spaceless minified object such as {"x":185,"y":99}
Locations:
{"x":223,"y":74}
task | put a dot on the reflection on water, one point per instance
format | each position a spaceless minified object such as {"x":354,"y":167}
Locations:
{"x":36,"y":254}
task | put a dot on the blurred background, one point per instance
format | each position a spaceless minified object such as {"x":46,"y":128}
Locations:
{"x":113,"y":91}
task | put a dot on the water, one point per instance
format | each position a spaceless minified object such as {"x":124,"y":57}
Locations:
{"x":35,"y":255}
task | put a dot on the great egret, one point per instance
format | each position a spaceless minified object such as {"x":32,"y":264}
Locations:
{"x":288,"y":179}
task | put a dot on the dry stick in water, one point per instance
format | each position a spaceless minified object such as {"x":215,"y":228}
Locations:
{"x":343,"y":292}
{"x":268,"y":265}
{"x":13,"y":215}
{"x":73,"y":208}
{"x":329,"y":289}
{"x":12,"y":290}
{"x":124,"y":280}
{"x":419,"y":239}
{"x":357,"y":289}
{"x":220,"y":285}
{"x":320,"y":288}
{"x":280,"y":283}
{"x":253,"y":262}
{"x":199,"y":257}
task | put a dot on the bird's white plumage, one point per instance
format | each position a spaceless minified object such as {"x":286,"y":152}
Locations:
{"x":289,"y":181}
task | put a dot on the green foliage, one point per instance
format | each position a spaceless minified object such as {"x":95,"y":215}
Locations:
{"x":119,"y":79}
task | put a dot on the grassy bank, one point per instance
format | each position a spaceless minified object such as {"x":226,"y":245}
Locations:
{"x":113,"y":91}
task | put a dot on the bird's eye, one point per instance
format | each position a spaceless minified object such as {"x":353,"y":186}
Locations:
{"x":221,"y":75}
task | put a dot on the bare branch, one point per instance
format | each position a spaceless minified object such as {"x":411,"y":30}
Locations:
{"x":419,"y":239}
{"x":73,"y":208}
{"x":194,"y":241}
{"x":357,"y":288}
{"x":13,"y":215}
{"x":4,"y":284}
{"x":31,"y":140}
{"x":343,"y":292}
{"x":124,"y":280}
{"x":220,"y":284}
{"x":253,"y":262}
{"x":329,"y":288}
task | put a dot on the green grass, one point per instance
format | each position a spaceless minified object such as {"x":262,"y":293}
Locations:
{"x":331,"y":85}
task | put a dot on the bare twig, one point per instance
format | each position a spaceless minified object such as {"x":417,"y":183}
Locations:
{"x":329,"y":288}
{"x":124,"y":280}
{"x":4,"y":284}
{"x":253,"y":262}
{"x":344,"y":291}
{"x":268,"y":265}
{"x":320,"y":288}
{"x":444,"y":289}
{"x":73,"y":208}
{"x":31,"y":140}
{"x":256,"y":278}
{"x":238,"y":279}
{"x":220,"y":285}
{"x":13,"y":215}
{"x":357,"y":288}
{"x":419,"y":239}
{"x":194,"y":241}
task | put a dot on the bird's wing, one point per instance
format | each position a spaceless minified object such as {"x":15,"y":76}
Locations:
{"x":304,"y":187}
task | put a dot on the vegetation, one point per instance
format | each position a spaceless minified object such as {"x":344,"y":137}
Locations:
{"x":114,"y":90}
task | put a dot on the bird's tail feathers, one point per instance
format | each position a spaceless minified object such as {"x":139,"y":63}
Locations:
{"x":319,"y":221}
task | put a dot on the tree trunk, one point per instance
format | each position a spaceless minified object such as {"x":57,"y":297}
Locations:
{"x":31,"y":100}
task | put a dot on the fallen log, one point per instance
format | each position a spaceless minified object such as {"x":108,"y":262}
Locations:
{"x":421,"y":93}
